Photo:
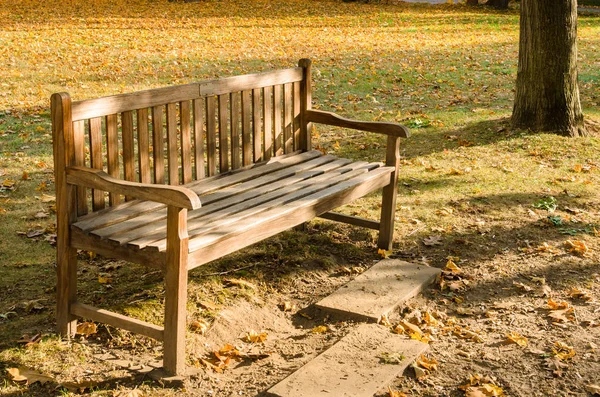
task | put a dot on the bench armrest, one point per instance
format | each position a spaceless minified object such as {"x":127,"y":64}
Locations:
{"x":177,"y":196}
{"x":391,"y":129}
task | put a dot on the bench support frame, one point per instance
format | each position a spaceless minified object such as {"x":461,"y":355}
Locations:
{"x":72,"y":178}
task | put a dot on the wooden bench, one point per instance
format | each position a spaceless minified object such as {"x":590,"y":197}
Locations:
{"x":176,"y":177}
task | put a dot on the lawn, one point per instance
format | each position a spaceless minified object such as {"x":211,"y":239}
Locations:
{"x":517,"y":212}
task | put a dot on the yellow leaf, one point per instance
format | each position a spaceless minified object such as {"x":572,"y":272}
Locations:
{"x":255,"y":337}
{"x":577,"y":247}
{"x":199,"y":326}
{"x":516,"y":338}
{"x":451,"y":267}
{"x":395,"y":393}
{"x":384,"y":253}
{"x":427,"y":363}
{"x":87,"y":328}
{"x":320,"y":329}
{"x":557,"y":305}
{"x":103,"y":279}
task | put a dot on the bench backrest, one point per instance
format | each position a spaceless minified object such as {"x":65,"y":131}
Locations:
{"x":178,"y":134}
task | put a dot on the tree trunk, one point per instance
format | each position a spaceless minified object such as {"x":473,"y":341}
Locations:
{"x":547,"y":96}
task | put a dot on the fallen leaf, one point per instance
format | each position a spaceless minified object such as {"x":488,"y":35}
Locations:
{"x":320,"y":329}
{"x":433,"y":240}
{"x":563,"y":351}
{"x":594,"y":389}
{"x":288,"y":306}
{"x":241,"y":283}
{"x":255,"y":337}
{"x":579,"y":294}
{"x":514,"y":337}
{"x":444,"y":211}
{"x":384,"y":253}
{"x":451,"y":267}
{"x":557,"y":305}
{"x":104,"y":279}
{"x":429,"y":364}
{"x":395,"y":393}
{"x":577,"y":247}
{"x":391,"y":357}
{"x":383,"y":320}
{"x":29,"y":376}
{"x":87,"y":329}
{"x":199,"y":326}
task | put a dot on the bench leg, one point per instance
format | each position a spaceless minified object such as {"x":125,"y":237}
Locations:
{"x":388,"y":204}
{"x":66,"y":288}
{"x":175,"y":292}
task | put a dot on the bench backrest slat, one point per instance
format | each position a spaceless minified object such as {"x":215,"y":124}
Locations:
{"x":143,"y":145}
{"x":186,"y":142}
{"x":176,"y":135}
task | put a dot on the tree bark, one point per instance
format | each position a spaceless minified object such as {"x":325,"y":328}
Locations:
{"x":547,"y":95}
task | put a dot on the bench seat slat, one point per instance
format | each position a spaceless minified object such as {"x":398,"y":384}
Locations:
{"x":231,"y":218}
{"x":206,"y":186}
{"x":272,"y":222}
{"x":150,"y":223}
{"x":252,"y":199}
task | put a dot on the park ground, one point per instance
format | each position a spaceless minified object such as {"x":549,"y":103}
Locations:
{"x":513,"y":216}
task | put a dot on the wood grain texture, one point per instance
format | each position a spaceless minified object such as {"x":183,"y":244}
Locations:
{"x":158,"y":144}
{"x":175,"y":291}
{"x":132,"y":101}
{"x":322,"y":117}
{"x":285,"y":217}
{"x":288,"y":108}
{"x":117,"y":320}
{"x":246,"y":127}
{"x":277,"y":117}
{"x":305,"y":104}
{"x":78,"y":147}
{"x":186,"y":141}
{"x":257,"y":134}
{"x":96,"y":159}
{"x":171,"y":195}
{"x":66,"y":213}
{"x":112,"y":154}
{"x":199,"y":148}
{"x":172,"y":149}
{"x":234,"y":116}
{"x":249,"y":81}
{"x":143,"y":146}
{"x":211,"y":135}
{"x":223,"y":133}
{"x":390,"y":191}
{"x":87,"y":242}
{"x":128,"y":147}
{"x":351,"y":220}
{"x":268,"y":122}
{"x":296,"y":115}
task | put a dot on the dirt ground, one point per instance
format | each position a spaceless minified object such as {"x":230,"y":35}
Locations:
{"x":502,"y":287}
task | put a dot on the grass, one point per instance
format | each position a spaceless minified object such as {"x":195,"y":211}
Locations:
{"x":446,"y":71}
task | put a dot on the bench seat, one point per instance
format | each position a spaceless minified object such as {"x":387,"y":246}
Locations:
{"x":238,"y":209}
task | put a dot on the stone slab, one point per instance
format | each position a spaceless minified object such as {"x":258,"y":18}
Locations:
{"x":379,"y":290}
{"x":351,"y":367}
